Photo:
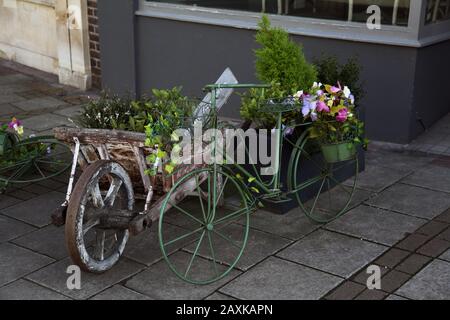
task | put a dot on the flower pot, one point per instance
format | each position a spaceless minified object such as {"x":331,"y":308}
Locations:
{"x":7,"y":140}
{"x":338,"y":152}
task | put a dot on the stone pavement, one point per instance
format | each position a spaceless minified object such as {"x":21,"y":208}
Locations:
{"x":399,"y":221}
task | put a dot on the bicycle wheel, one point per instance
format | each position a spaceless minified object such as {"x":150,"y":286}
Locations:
{"x":216,"y":242}
{"x":34,"y":160}
{"x":323,"y":190}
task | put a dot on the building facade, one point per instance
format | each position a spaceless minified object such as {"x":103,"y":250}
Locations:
{"x":165,"y":43}
{"x":55,"y":36}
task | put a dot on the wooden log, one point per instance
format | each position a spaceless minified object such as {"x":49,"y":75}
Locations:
{"x":99,"y":136}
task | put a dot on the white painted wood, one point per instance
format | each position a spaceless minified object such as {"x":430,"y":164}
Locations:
{"x":73,"y":43}
{"x":139,"y":154}
{"x":28,"y":34}
{"x":227,"y":77}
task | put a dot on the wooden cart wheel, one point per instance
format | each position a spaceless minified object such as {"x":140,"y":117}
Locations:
{"x":214,"y":242}
{"x":326,"y":196}
{"x":102,"y":186}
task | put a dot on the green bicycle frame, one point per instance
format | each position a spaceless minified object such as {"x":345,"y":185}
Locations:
{"x":273,"y":187}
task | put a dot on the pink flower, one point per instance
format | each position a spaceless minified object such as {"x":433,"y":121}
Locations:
{"x":321,"y":106}
{"x":14,"y":123}
{"x":334,"y":89}
{"x":342,"y":115}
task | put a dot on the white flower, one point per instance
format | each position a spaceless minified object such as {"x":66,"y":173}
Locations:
{"x":347,"y":92}
{"x":317,"y":85}
{"x":299,"y":94}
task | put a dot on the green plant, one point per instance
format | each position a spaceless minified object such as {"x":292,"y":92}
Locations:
{"x":111,"y":112}
{"x":253,"y":99}
{"x":281,"y":62}
{"x":330,"y":70}
{"x":170,"y":110}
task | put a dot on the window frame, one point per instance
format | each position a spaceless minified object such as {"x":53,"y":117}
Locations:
{"x":433,"y":32}
{"x":323,"y":28}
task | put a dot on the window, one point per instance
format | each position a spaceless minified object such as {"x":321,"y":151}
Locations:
{"x":393,"y":12}
{"x":437,"y":10}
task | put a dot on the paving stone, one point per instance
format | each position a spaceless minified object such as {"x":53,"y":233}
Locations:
{"x":412,"y":242}
{"x":80,"y":99}
{"x":432,"y":228}
{"x":7,"y":89}
{"x":31,"y":94}
{"x":27,"y":290}
{"x":372,"y":295}
{"x":434,"y":247}
{"x":54,"y":276}
{"x":159,"y":282}
{"x":393,"y":280}
{"x":276,"y":279}
{"x":415,"y":201}
{"x":346,"y":291}
{"x":7,"y":201}
{"x":36,"y":211}
{"x":119,"y":292}
{"x":53,"y":184}
{"x":64,"y":177}
{"x":374,"y":224}
{"x":259,"y":246}
{"x":445,"y":235}
{"x":10,"y":228}
{"x":395,"y":297}
{"x":396,"y":160}
{"x":8,"y":98}
{"x":39,"y":103}
{"x":432,"y":283}
{"x":339,"y":198}
{"x":391,"y":258}
{"x":292,"y":225}
{"x":219,"y":296}
{"x":16,"y":262}
{"x":332,"y":252}
{"x":36,"y":189}
{"x":44,"y":122}
{"x":376,"y":178}
{"x":439,"y":149}
{"x":445,"y":255}
{"x":444,"y":216}
{"x":145,"y":247}
{"x":21,"y":194}
{"x":413,"y":264}
{"x":70,"y":112}
{"x":14,"y":78}
{"x":432,"y":176}
{"x":49,"y":240}
{"x":7,"y":109}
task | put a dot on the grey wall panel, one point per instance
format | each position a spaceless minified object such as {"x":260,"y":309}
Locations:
{"x":432,"y":85}
{"x":173,"y":53}
{"x":116,"y":28}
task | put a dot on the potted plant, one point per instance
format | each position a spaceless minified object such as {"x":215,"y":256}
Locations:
{"x":334,"y":121}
